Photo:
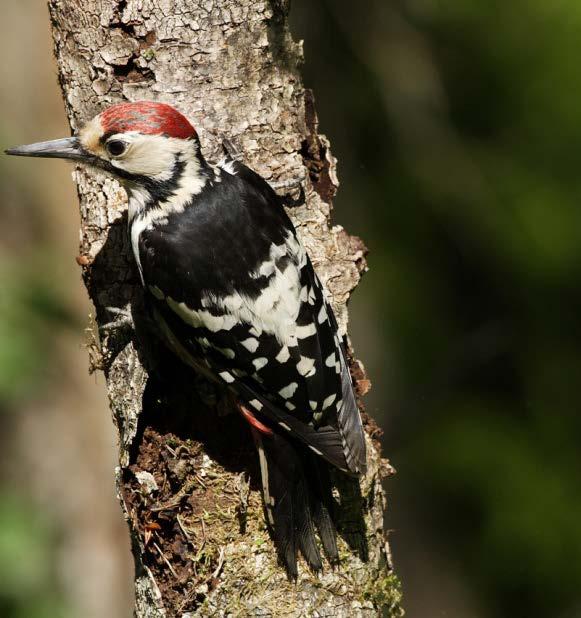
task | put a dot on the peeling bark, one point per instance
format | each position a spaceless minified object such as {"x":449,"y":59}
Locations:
{"x":187,"y":479}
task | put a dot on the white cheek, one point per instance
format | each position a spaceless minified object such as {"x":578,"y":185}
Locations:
{"x":145,"y":161}
{"x":150,"y":155}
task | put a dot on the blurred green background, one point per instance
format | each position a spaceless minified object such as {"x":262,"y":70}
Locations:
{"x":458,"y":131}
{"x":64,"y":551}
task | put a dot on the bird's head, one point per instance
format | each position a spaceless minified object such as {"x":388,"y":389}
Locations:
{"x":142,"y":144}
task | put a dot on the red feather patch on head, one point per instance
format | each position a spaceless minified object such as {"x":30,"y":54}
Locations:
{"x":146,"y":117}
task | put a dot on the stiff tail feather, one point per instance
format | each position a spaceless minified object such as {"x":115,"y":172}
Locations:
{"x":298,"y":502}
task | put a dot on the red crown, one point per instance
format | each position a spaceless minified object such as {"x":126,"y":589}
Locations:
{"x":146,"y":117}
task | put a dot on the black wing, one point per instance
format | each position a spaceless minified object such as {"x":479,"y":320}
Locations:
{"x":236,"y":290}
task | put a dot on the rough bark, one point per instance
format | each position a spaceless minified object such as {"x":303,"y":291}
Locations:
{"x":187,"y":476}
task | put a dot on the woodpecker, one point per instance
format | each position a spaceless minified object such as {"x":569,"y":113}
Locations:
{"x":234,"y":295}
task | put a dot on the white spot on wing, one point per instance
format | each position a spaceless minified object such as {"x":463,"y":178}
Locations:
{"x":256,"y":404}
{"x":329,"y":400}
{"x":251,"y":344}
{"x":330,"y":360}
{"x":259,"y":362}
{"x":283,"y":355}
{"x":226,"y":377}
{"x":305,"y":365}
{"x":288,"y":391}
{"x":306,"y":331}
{"x":203,"y":318}
{"x":284,"y":426}
{"x":322,"y":317}
{"x":313,"y":405}
{"x":290,"y":405}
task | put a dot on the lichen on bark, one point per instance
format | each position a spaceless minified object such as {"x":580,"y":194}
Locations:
{"x":187,"y":476}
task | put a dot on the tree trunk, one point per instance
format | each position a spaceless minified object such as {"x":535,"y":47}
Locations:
{"x":187,"y":476}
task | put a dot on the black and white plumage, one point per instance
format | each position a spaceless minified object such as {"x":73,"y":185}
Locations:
{"x":235,"y":296}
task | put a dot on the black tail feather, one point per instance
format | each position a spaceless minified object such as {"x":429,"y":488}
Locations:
{"x":298,"y":502}
{"x":304,"y":527}
{"x":324,"y":509}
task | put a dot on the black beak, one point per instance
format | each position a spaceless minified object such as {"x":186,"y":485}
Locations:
{"x":67,"y":148}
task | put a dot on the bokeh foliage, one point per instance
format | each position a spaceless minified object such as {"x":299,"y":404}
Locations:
{"x":458,"y":128}
{"x":28,"y":585}
{"x":32,"y":314}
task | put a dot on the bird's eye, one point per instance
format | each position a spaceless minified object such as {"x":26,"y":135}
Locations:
{"x":116,"y":147}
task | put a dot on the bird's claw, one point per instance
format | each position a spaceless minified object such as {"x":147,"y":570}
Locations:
{"x":287,"y":199}
{"x":230,"y":150}
{"x":281,"y":185}
{"x":124,"y":319}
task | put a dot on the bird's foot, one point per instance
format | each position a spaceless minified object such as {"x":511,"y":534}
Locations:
{"x":123,"y":320}
{"x":230,"y":150}
{"x":281,"y":185}
{"x":289,"y":186}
